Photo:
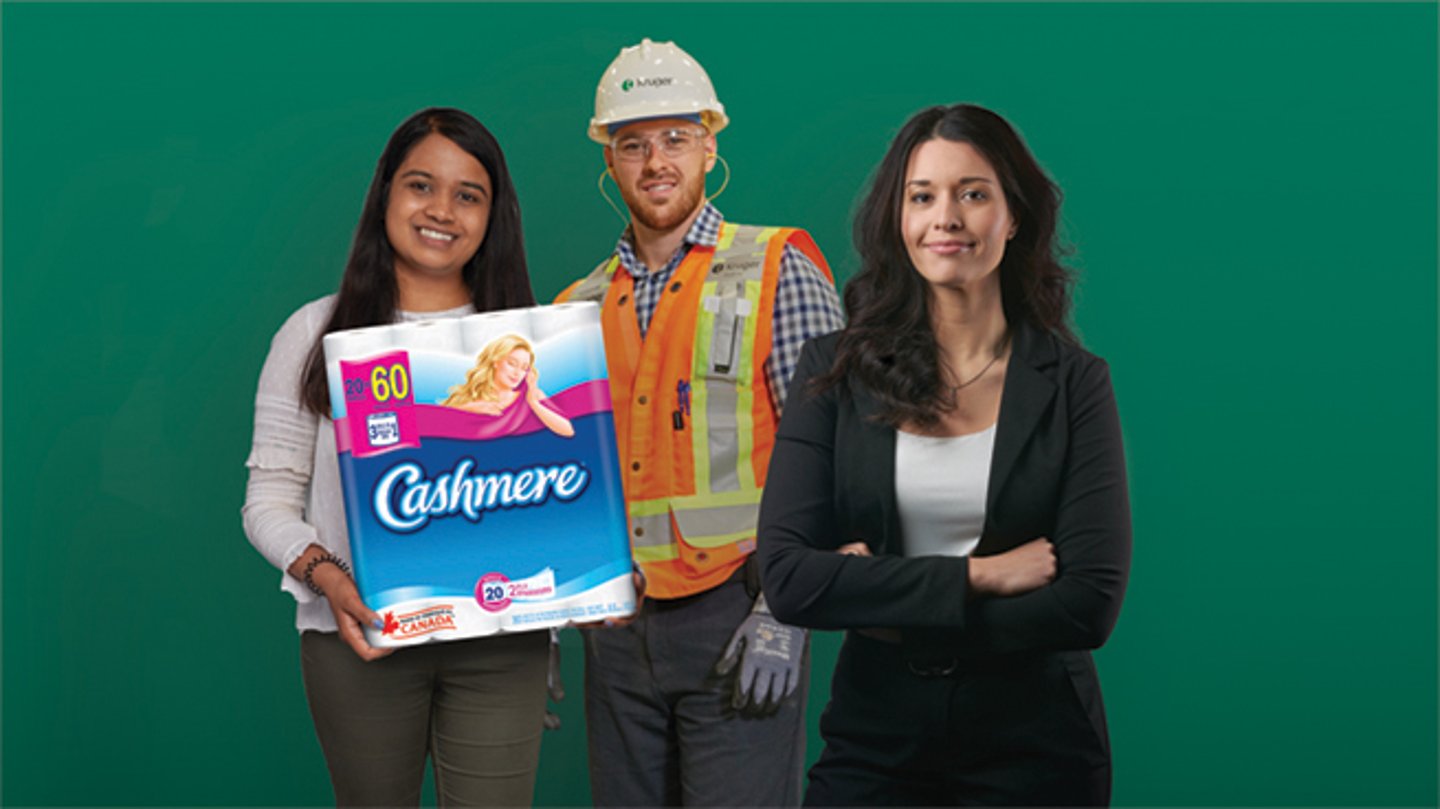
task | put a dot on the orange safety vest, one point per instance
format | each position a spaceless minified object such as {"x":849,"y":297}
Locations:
{"x":692,"y":410}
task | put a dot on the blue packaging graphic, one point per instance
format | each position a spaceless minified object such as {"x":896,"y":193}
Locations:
{"x":482,"y":486}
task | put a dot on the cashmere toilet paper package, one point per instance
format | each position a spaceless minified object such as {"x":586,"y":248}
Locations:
{"x":482,"y":485}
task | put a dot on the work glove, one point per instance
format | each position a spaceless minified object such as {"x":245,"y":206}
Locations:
{"x":769,"y":654}
{"x":553,"y":685}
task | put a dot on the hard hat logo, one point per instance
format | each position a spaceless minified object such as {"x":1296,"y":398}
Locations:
{"x":682,"y":90}
{"x":630,"y":84}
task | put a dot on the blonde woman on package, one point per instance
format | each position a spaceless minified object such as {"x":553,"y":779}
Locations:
{"x":502,"y":369}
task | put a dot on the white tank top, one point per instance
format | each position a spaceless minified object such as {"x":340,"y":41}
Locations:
{"x":940,"y":488}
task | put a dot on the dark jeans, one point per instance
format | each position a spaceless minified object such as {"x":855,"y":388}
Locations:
{"x":1018,"y":731}
{"x":475,"y":706}
{"x":662,"y":732}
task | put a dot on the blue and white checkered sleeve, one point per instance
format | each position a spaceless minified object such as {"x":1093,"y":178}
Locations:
{"x":806,"y":305}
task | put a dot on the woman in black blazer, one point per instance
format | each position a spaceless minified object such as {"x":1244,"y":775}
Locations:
{"x":973,"y":588}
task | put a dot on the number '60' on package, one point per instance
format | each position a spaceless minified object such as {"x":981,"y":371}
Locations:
{"x":482,"y":486}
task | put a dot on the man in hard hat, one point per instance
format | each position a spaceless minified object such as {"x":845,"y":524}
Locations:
{"x":701,"y":699}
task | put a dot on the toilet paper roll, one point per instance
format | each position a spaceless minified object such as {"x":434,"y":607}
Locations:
{"x":551,"y":321}
{"x":570,"y":343}
{"x":350,"y":345}
{"x":439,"y":336}
{"x":357,"y":344}
{"x":476,"y":331}
{"x":437,"y":356}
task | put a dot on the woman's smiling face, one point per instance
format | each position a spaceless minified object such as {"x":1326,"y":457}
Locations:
{"x":954,"y":219}
{"x":438,"y":208}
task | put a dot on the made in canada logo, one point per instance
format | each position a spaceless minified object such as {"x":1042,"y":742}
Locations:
{"x":420,"y":622}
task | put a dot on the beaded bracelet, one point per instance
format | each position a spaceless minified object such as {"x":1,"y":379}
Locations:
{"x":326,"y":557}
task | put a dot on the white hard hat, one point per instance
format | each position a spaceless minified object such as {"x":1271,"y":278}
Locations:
{"x":654,"y":80}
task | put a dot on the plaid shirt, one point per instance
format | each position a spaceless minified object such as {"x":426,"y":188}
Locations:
{"x":806,"y":304}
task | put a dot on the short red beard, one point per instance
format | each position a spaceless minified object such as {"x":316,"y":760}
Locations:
{"x":689,"y":195}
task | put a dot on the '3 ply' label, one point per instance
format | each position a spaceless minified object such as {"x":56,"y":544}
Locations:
{"x":380,"y":403}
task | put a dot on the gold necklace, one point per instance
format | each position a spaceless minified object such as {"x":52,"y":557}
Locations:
{"x":999,"y":350}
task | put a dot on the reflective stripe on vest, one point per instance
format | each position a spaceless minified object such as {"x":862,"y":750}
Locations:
{"x":592,"y":287}
{"x":722,"y":395}
{"x":711,"y":490}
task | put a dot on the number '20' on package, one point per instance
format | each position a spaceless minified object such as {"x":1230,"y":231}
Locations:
{"x":482,"y":486}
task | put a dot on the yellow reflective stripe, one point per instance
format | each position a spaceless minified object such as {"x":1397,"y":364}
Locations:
{"x":705,"y":520}
{"x":727,"y":236}
{"x":663,"y":553}
{"x":699,"y":393}
{"x":707,"y":500}
{"x":710,"y":541}
{"x":744,"y":417}
{"x":765,"y":234}
{"x":649,"y":508}
{"x":594,"y":285}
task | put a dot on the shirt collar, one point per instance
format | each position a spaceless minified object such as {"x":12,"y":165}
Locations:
{"x":407,"y":316}
{"x":704,"y":231}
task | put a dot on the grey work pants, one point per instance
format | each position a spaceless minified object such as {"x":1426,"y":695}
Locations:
{"x":661,"y":728}
{"x":475,"y":706}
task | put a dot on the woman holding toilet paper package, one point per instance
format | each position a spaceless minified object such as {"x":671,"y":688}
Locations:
{"x":961,"y":451}
{"x":439,"y":236}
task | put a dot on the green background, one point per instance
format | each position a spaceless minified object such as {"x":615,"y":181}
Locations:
{"x":1251,"y":190}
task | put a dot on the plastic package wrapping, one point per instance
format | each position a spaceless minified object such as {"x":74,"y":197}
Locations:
{"x":482,"y":485}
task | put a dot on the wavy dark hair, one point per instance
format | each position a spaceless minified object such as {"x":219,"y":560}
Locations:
{"x":496,"y":275}
{"x":888,"y":344}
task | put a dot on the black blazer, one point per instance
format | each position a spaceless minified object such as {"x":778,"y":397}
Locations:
{"x":1058,"y":471}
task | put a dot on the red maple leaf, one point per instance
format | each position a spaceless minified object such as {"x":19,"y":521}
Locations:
{"x":390,"y":624}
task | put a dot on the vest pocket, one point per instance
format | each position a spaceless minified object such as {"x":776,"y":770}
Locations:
{"x":709,"y":535}
{"x":725,"y":320}
{"x":704,"y":560}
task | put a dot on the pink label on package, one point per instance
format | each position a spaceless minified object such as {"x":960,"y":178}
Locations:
{"x":380,"y":402}
{"x":492,"y":591}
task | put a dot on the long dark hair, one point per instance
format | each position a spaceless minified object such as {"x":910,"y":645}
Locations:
{"x":496,"y":275}
{"x":889,"y":344}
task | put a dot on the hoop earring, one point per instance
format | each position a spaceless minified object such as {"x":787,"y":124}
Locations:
{"x":600,"y":184}
{"x":723,"y":184}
